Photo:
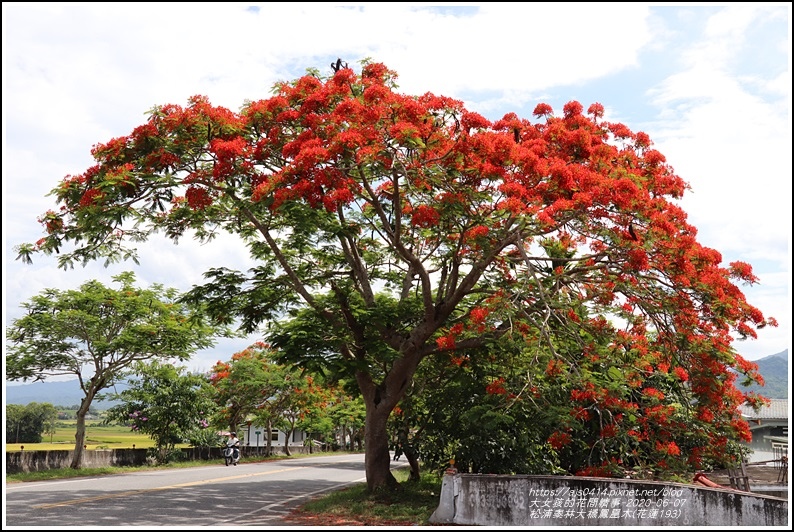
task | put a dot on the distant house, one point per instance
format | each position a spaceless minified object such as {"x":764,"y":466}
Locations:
{"x":252,"y":436}
{"x":769,"y":428}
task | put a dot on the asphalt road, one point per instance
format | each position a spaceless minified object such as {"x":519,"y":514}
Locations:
{"x":249,"y":494}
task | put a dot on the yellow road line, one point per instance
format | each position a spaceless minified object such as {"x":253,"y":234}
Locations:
{"x":173,"y":486}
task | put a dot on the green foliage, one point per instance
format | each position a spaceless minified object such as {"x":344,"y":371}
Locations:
{"x":253,"y":388}
{"x":325,"y":409}
{"x":27,"y":423}
{"x":98,"y":333}
{"x":251,"y":385}
{"x":464,"y":413}
{"x":165,"y":455}
{"x":346,"y":412}
{"x":309,"y":339}
{"x":102,"y":328}
{"x":203,"y":437}
{"x":166,"y":404}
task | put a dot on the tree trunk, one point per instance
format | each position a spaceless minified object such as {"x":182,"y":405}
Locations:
{"x":413,"y":461}
{"x":269,"y":444}
{"x":286,"y":442}
{"x":79,"y":435}
{"x":379,"y":401}
{"x":352,"y":437}
{"x":377,"y":459}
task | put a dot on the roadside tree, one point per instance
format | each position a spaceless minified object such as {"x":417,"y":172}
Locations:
{"x":96,"y":334}
{"x":322,"y":404}
{"x":251,"y":387}
{"x":164,"y":402}
{"x":347,"y":412}
{"x":27,"y":423}
{"x":291,"y":409}
{"x":391,"y":227}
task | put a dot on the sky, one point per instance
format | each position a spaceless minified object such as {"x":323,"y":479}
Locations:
{"x":709,"y":83}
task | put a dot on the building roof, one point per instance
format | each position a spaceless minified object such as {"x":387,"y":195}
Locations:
{"x":777,"y":409}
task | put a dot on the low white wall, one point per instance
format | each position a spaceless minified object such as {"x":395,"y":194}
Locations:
{"x":27,"y":461}
{"x":523,"y":500}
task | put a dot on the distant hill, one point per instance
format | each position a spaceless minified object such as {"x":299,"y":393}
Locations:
{"x":774,"y":369}
{"x":57,"y":393}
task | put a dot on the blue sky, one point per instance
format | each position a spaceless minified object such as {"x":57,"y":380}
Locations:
{"x":710,"y":84}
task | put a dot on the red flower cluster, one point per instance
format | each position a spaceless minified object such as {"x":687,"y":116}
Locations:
{"x":198,"y":198}
{"x":669,"y":448}
{"x":496,"y":387}
{"x":425,"y":216}
{"x":558,"y":440}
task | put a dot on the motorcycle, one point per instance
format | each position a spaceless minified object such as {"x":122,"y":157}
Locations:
{"x":231,"y":455}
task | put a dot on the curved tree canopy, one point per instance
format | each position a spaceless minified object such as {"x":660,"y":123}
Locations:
{"x":397,"y":226}
{"x":97,"y":334}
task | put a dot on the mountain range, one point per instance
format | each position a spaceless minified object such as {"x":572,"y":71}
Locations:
{"x":774,"y":369}
{"x":57,"y":393}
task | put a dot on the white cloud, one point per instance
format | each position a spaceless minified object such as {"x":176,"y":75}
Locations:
{"x":733,"y":145}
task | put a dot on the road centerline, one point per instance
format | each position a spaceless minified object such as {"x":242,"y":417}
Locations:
{"x":160,"y":488}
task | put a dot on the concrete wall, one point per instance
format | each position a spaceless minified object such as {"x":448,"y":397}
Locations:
{"x":27,"y":461}
{"x":522,"y":500}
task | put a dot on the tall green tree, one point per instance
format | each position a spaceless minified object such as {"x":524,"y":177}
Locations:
{"x":392,"y":227}
{"x":347,"y":411}
{"x":27,"y":423}
{"x":16,"y":426}
{"x":294,"y":406}
{"x":96,"y":333}
{"x":166,"y":403}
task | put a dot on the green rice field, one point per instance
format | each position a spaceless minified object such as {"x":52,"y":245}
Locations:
{"x":98,"y":436}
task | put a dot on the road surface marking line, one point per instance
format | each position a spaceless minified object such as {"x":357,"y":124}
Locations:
{"x":174,"y":486}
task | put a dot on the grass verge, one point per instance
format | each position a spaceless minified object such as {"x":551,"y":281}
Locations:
{"x":412,"y":504}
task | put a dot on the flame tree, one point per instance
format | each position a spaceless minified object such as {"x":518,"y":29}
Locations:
{"x":388,"y":227}
{"x":245,"y":383}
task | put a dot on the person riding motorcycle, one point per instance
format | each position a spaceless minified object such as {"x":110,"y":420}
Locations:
{"x":233,"y":443}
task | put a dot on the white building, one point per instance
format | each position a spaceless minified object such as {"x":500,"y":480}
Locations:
{"x":253,"y":436}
